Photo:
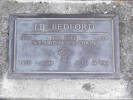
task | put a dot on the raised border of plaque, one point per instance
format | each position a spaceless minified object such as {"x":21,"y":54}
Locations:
{"x":13,"y":74}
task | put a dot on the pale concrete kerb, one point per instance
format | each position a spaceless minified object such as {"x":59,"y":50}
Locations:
{"x":62,"y":1}
{"x":60,"y":89}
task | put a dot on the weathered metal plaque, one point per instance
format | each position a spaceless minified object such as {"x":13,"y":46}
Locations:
{"x":64,"y":46}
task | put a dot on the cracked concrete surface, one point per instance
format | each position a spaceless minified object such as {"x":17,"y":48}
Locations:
{"x":68,"y":88}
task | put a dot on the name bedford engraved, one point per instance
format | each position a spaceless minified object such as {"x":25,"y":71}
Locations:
{"x":43,"y":27}
{"x":64,"y":46}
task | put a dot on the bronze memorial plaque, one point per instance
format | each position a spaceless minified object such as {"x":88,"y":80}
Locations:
{"x":64,"y":46}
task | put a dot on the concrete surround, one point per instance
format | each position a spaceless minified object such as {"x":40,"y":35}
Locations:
{"x":69,"y":88}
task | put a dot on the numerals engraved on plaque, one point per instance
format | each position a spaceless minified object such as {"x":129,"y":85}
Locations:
{"x":25,"y":62}
{"x":46,"y":63}
{"x":92,"y":62}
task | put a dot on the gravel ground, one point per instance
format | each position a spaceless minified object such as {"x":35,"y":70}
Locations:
{"x":68,"y":88}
